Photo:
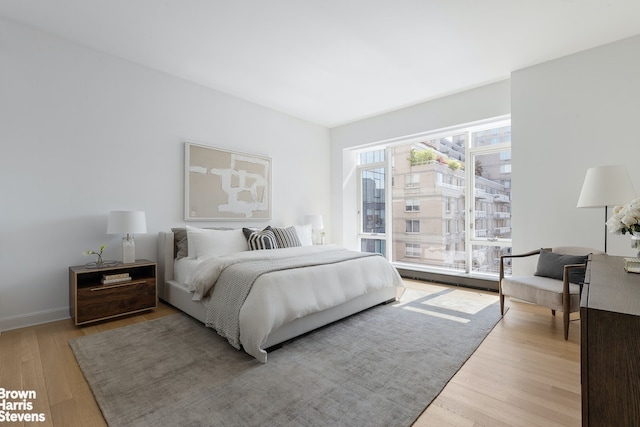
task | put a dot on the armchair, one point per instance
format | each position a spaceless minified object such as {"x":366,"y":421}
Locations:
{"x":556,"y":284}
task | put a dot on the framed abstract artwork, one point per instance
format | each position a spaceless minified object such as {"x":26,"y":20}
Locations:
{"x":225,"y":185}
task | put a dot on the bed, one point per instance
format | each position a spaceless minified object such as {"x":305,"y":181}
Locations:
{"x":294,"y":290}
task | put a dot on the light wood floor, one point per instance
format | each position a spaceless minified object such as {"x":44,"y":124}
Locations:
{"x":523,"y":374}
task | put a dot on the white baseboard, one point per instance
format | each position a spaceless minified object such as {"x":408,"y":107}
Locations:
{"x":32,"y":319}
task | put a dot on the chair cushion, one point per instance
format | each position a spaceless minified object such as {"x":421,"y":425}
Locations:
{"x":551,"y":264}
{"x":541,"y":291}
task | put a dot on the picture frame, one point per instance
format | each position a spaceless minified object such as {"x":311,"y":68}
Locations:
{"x":225,"y":185}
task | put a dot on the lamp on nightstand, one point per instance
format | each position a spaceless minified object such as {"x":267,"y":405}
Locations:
{"x":317,"y":226}
{"x":127,"y":223}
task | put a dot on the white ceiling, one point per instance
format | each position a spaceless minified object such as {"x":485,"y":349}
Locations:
{"x":334,"y":61}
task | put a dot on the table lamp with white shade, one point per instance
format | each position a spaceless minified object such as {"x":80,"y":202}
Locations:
{"x":606,"y":186}
{"x":316,"y":226}
{"x":127,"y":223}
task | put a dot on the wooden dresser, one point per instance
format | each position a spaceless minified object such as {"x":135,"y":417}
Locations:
{"x":610,"y":344}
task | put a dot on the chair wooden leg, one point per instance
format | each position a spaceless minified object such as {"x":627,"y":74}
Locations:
{"x":566,"y":324}
{"x":553,"y":312}
{"x":501,"y":304}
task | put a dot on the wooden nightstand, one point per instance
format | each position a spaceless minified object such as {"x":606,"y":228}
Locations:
{"x":91,"y":300}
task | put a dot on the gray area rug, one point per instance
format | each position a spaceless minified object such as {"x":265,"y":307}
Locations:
{"x":381,"y":367}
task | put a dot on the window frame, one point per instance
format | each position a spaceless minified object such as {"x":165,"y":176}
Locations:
{"x":381,"y":240}
{"x":412,"y":181}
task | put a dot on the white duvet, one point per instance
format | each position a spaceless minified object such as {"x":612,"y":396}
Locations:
{"x":282,"y":296}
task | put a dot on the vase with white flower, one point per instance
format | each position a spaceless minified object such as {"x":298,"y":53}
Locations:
{"x":626,"y":219}
{"x":99,"y":262}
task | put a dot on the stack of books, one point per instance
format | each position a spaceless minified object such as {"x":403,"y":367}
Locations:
{"x":115,"y":278}
{"x":632,"y":265}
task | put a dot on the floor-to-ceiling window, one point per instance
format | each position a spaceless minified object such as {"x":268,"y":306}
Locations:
{"x":372,"y":209}
{"x":490,"y":233}
{"x":440,"y":201}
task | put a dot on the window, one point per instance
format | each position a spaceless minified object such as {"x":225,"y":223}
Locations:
{"x":413,"y":250}
{"x":372,"y":173}
{"x":412,"y":226}
{"x":374,"y":156}
{"x":373,"y":200}
{"x":412,"y":205}
{"x":373,"y":245}
{"x":412,"y":180}
{"x":455,"y":204}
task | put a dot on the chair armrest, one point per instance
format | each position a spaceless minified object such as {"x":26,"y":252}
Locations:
{"x":565,"y":274}
{"x":570,"y":266}
{"x":565,"y":284}
{"x":536,"y":252}
{"x":502,"y":258}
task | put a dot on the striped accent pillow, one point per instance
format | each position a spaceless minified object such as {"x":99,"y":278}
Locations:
{"x":260,"y":239}
{"x":285,"y":237}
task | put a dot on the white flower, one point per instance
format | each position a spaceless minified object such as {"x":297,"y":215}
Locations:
{"x":625,"y":218}
{"x":628,"y":220}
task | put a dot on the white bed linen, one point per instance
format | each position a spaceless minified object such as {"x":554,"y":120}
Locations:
{"x":206,"y":274}
{"x":184,"y":268}
{"x":282,"y":296}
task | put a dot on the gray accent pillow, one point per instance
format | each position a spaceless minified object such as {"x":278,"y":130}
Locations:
{"x":551,"y":264}
{"x":180,"y":239}
{"x":285,"y":237}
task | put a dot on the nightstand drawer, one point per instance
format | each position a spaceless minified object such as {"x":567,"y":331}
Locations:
{"x":103,"y":301}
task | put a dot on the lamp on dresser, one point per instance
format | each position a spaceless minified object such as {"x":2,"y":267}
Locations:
{"x":606,"y":186}
{"x":127,"y":223}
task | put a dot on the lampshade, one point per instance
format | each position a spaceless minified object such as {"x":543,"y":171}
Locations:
{"x":606,"y":186}
{"x":126,"y":222}
{"x":315,"y":221}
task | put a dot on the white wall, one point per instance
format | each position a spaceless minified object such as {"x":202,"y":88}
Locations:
{"x":465,"y":107}
{"x":84,"y":133}
{"x":569,"y":115}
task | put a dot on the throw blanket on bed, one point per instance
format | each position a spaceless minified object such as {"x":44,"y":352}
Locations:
{"x":236,"y":280}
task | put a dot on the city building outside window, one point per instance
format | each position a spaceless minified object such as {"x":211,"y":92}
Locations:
{"x":452,"y":207}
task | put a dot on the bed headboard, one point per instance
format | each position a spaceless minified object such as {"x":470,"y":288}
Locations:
{"x":166,"y":256}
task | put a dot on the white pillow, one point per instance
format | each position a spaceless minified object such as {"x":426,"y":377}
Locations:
{"x":204,"y":243}
{"x":305,"y":234}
